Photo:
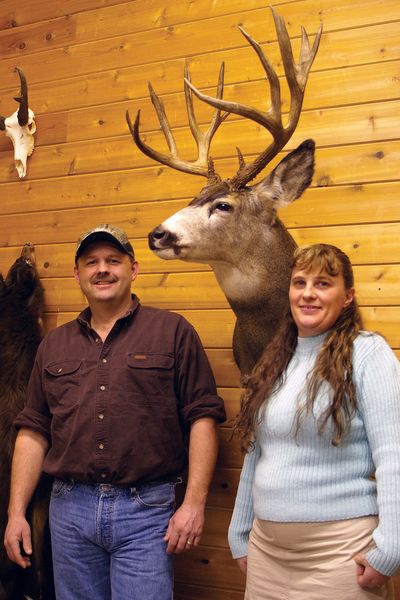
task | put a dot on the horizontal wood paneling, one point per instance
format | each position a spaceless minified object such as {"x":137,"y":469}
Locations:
{"x":208,"y":566}
{"x":163,"y":43}
{"x":16,"y":14}
{"x":223,"y":487}
{"x":375,"y":286}
{"x":144,"y":15}
{"x":369,"y":122}
{"x":216,"y":326}
{"x":375,"y":161}
{"x":122,"y":86}
{"x":88,"y":61}
{"x":318,"y":205}
{"x":216,"y":526}
{"x":191,"y":592}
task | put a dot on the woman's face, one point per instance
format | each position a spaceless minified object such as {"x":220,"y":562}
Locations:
{"x":316,"y":300}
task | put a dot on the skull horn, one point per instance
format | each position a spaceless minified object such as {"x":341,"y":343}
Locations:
{"x":23,"y":114}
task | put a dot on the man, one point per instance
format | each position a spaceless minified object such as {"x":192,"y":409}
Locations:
{"x":112,"y":399}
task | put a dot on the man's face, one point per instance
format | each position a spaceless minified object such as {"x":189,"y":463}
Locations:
{"x":105,"y":274}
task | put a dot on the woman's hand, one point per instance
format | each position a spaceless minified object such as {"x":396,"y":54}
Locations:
{"x":367,"y":577}
{"x":242,"y":564}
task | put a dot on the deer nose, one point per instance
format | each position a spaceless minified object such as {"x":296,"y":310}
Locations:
{"x":158,"y":234}
{"x":161,"y":237}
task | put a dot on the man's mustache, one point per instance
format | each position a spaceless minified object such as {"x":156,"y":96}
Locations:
{"x":103,"y":279}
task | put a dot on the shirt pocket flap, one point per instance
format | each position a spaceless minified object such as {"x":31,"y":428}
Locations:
{"x":63,"y":368}
{"x":150,"y":361}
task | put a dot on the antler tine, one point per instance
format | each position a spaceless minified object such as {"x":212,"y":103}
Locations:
{"x":242,"y":164}
{"x":271,"y":120}
{"x":171,"y":161}
{"x":203,"y":139}
{"x":163,"y":120}
{"x":202,"y":165}
{"x":275,"y":86}
{"x":217,"y":117}
{"x":23,"y":113}
{"x":307,"y":56}
{"x":296,"y":75}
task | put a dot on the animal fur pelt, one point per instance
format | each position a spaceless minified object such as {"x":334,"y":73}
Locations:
{"x":21,"y":305}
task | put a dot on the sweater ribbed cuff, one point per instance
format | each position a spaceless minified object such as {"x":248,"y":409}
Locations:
{"x":382,"y":563}
{"x":238,"y":546}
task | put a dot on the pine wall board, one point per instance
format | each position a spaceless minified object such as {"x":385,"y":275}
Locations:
{"x":89,"y":61}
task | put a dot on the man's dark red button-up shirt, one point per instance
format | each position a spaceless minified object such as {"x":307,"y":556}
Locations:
{"x":118,"y":412}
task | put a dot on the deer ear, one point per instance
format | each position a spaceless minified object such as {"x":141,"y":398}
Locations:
{"x":291,"y":176}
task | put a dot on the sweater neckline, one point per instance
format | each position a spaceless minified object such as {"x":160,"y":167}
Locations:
{"x":311,"y":344}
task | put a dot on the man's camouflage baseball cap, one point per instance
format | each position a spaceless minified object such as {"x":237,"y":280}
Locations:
{"x":107,"y":233}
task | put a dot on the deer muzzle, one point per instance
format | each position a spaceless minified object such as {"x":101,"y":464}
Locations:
{"x":161,"y":239}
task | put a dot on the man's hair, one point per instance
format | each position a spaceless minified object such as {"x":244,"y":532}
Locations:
{"x":333,"y":364}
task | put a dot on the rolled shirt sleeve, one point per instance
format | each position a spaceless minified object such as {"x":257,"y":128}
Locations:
{"x":36,"y":415}
{"x":197,"y":395}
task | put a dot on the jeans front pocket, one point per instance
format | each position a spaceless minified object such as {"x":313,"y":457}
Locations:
{"x":155,"y":495}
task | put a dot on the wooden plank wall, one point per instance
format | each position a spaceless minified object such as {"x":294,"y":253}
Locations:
{"x":87,"y":61}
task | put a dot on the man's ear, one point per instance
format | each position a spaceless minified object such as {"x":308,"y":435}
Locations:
{"x":76,"y":273}
{"x":135,"y":269}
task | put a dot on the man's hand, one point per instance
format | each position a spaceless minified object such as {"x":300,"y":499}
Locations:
{"x":185,"y":528}
{"x":186,"y":525}
{"x":29,"y":452}
{"x":367,"y":577}
{"x":18,"y":533}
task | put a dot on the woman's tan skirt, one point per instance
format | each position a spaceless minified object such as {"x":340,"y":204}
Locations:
{"x":309,"y":561}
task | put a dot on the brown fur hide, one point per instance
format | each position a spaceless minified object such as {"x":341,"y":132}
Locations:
{"x":21,"y":303}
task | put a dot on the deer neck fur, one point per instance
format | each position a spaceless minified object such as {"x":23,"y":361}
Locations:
{"x":257,"y":273}
{"x":256,"y":287}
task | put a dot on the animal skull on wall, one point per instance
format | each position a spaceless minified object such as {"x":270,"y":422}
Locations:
{"x":20,"y":127}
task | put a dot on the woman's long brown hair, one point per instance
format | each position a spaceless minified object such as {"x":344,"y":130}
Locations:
{"x":334,"y":362}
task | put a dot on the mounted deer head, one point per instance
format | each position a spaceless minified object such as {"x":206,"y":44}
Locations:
{"x":233,"y":226}
{"x":20,"y":127}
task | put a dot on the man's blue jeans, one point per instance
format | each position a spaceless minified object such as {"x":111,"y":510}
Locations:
{"x":107,"y":541}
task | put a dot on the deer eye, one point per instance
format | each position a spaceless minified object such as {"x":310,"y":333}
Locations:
{"x":224,"y":206}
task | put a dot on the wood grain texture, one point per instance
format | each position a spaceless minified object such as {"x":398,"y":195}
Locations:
{"x":88,"y":61}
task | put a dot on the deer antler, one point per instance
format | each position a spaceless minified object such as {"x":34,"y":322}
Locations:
{"x":296,"y":76}
{"x":203,"y":165}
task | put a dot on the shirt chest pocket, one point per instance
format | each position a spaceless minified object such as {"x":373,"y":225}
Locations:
{"x":62,"y":380}
{"x":151,"y":375}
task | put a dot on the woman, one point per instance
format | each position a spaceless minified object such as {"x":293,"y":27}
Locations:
{"x":320,"y":416}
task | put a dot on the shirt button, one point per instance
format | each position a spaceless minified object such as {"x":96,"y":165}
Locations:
{"x":101,"y":446}
{"x":59,"y":370}
{"x":102,"y":387}
{"x":101,"y":416}
{"x":104,"y":360}
{"x":97,"y":340}
{"x":103,"y":475}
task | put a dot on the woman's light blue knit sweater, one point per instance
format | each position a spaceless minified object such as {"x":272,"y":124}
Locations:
{"x":303,"y":477}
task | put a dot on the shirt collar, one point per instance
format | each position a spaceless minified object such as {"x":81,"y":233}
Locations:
{"x":85,"y":316}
